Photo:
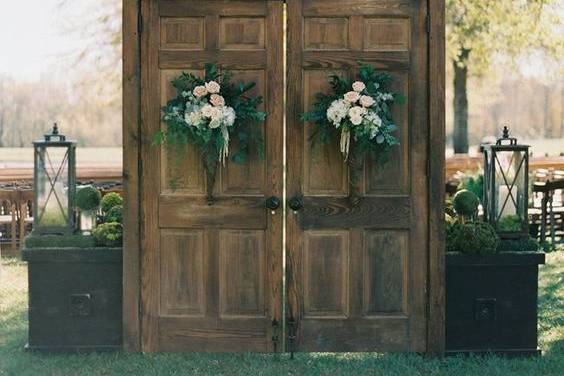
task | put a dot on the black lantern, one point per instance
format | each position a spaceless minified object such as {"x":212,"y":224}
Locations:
{"x":54,"y":184}
{"x":506,"y":186}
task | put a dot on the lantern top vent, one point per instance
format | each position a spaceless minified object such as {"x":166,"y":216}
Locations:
{"x":505,"y":143}
{"x":55,"y":138}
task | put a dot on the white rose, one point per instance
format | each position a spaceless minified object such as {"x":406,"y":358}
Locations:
{"x":358,"y":86}
{"x":356,"y":119}
{"x":207,"y":111}
{"x":229,"y":116}
{"x":352,"y":96}
{"x":217,"y":100}
{"x":367,"y":101}
{"x":216,"y":113}
{"x":212,"y":87}
{"x":193,"y":118}
{"x":200,"y":91}
{"x":357,"y":111}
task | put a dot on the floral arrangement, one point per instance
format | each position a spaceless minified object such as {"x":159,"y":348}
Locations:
{"x":207,"y":113}
{"x":359,"y":113}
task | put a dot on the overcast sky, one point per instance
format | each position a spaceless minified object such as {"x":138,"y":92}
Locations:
{"x":32,"y":37}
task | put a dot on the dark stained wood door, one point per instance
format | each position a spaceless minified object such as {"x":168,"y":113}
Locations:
{"x":356,"y":275}
{"x":211,"y":275}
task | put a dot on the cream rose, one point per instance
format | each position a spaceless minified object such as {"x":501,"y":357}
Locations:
{"x":217,"y":100}
{"x":207,"y":111}
{"x":212,"y":87}
{"x":216,"y":113}
{"x":200,"y":91}
{"x":357,"y":111}
{"x":356,"y":120}
{"x":358,"y":86}
{"x":367,"y":101}
{"x":352,"y":96}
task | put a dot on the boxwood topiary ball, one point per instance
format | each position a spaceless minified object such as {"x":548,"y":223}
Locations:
{"x":108,"y":235}
{"x":110,"y":200}
{"x":115,"y":214}
{"x":476,"y":238}
{"x":88,"y":198}
{"x":466,"y":203}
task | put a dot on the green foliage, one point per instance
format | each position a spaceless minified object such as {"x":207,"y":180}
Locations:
{"x":210,"y":141}
{"x":477,"y":30}
{"x":473,"y":182}
{"x":110,"y":200}
{"x":88,"y":198}
{"x":59,"y":241}
{"x":115,"y":214}
{"x":472,"y":238}
{"x":364,"y":139}
{"x":465,"y":203}
{"x":108,"y":234}
{"x":510,"y":223}
{"x":518,"y":245}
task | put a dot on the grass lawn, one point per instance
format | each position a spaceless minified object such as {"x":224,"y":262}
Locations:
{"x":14,"y":361}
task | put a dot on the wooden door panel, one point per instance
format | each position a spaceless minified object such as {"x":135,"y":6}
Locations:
{"x":182,"y":273}
{"x":325,"y":273}
{"x":211,"y":274}
{"x":356,"y":274}
{"x":181,"y":171}
{"x":385,"y":272}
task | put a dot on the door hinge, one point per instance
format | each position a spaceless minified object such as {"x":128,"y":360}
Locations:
{"x":275,"y":334}
{"x":139,"y":22}
{"x":428,"y":23}
{"x":291,"y":327}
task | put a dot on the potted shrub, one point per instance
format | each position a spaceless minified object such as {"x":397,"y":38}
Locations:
{"x":88,"y":201}
{"x":75,"y":283}
{"x":491,"y":286}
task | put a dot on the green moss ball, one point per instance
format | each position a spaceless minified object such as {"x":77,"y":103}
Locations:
{"x":476,"y":238}
{"x":108,"y":235}
{"x":110,"y":200}
{"x":466,"y":203}
{"x":88,"y":198}
{"x":115,"y":214}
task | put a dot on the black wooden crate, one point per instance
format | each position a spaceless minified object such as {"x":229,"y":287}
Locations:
{"x":491,"y":303}
{"x":75,"y":299}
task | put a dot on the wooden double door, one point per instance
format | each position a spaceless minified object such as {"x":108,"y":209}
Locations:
{"x":356,"y":275}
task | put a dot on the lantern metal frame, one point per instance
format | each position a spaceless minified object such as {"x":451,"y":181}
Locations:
{"x":41,"y":157}
{"x":492,"y":165}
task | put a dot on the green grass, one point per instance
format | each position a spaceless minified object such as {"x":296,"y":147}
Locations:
{"x":14,"y":361}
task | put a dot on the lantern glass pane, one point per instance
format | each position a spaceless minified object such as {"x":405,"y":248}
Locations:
{"x":510,"y":183}
{"x":53,"y":187}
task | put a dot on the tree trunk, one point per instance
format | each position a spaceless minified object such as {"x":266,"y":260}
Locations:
{"x":460,"y":104}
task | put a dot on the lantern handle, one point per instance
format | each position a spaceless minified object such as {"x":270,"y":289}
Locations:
{"x":505,"y":138}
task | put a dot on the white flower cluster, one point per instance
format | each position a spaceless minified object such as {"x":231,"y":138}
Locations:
{"x":359,"y":108}
{"x":206,"y":106}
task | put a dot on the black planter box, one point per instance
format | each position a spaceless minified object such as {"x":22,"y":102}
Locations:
{"x":491,"y":303}
{"x":75,"y":298}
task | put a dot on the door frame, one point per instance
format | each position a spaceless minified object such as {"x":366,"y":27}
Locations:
{"x":133,"y":219}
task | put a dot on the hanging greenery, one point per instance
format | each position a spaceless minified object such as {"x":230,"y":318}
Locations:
{"x":208,"y":113}
{"x":359,"y":113}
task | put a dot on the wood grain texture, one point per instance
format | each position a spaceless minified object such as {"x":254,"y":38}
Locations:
{"x":436,"y":312}
{"x":385,"y":234}
{"x":131,"y":125}
{"x":211,"y":274}
{"x":150,"y":177}
{"x":323,"y":212}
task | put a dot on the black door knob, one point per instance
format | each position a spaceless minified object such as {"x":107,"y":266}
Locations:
{"x":273,"y":203}
{"x":296,"y":203}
